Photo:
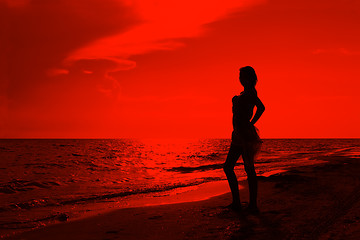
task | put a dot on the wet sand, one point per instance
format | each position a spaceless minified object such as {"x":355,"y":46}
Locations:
{"x":311,"y":202}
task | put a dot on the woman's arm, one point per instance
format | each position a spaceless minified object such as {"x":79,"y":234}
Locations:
{"x":260,"y":108}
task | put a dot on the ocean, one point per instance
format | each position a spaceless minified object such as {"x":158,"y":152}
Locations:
{"x":43,"y":181}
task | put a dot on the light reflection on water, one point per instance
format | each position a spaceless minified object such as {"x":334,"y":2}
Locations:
{"x":65,"y":173}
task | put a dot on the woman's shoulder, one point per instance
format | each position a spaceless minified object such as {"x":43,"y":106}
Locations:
{"x":252,"y":93}
{"x":236,"y":97}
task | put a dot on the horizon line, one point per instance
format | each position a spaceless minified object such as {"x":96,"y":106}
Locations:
{"x":90,"y":138}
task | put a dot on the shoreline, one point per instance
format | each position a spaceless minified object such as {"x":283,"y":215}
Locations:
{"x":200,"y":192}
{"x":302,"y":200}
{"x":197,"y":193}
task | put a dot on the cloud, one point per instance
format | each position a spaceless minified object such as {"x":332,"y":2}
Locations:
{"x":163,"y":24}
{"x":56,"y":71}
{"x":17,"y":3}
{"x":46,"y":39}
{"x":58,"y":55}
{"x":36,"y":36}
{"x":109,"y":64}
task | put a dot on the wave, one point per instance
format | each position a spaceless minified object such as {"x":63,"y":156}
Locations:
{"x":345,"y":150}
{"x":18,"y":185}
{"x":201,"y":168}
{"x":45,"y":165}
{"x":27,"y":224}
{"x":84,"y":199}
{"x":77,"y":155}
{"x":334,"y":157}
{"x":205,"y":156}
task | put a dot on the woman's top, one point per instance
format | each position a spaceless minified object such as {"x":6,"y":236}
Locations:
{"x":244,"y":133}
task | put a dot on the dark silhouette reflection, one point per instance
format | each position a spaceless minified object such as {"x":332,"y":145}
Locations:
{"x":245,"y":140}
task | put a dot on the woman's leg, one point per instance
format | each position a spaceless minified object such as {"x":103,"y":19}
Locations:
{"x":232,"y":157}
{"x":248,"y":158}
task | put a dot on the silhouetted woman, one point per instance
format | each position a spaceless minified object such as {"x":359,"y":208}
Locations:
{"x":245,"y":140}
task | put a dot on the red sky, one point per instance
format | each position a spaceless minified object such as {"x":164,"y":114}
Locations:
{"x":125,"y":68}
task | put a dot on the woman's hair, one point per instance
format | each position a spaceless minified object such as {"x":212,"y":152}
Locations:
{"x":248,"y":76}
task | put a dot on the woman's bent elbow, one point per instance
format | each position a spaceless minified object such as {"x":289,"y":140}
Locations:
{"x":262,"y":108}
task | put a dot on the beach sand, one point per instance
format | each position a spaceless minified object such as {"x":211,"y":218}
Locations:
{"x":312,"y":202}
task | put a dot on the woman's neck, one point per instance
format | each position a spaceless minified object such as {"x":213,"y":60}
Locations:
{"x":249,"y":89}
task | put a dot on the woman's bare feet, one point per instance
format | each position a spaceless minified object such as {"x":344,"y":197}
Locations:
{"x":252,"y":209}
{"x":235,"y":207}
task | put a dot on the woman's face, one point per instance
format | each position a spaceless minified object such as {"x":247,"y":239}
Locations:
{"x":243,"y":80}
